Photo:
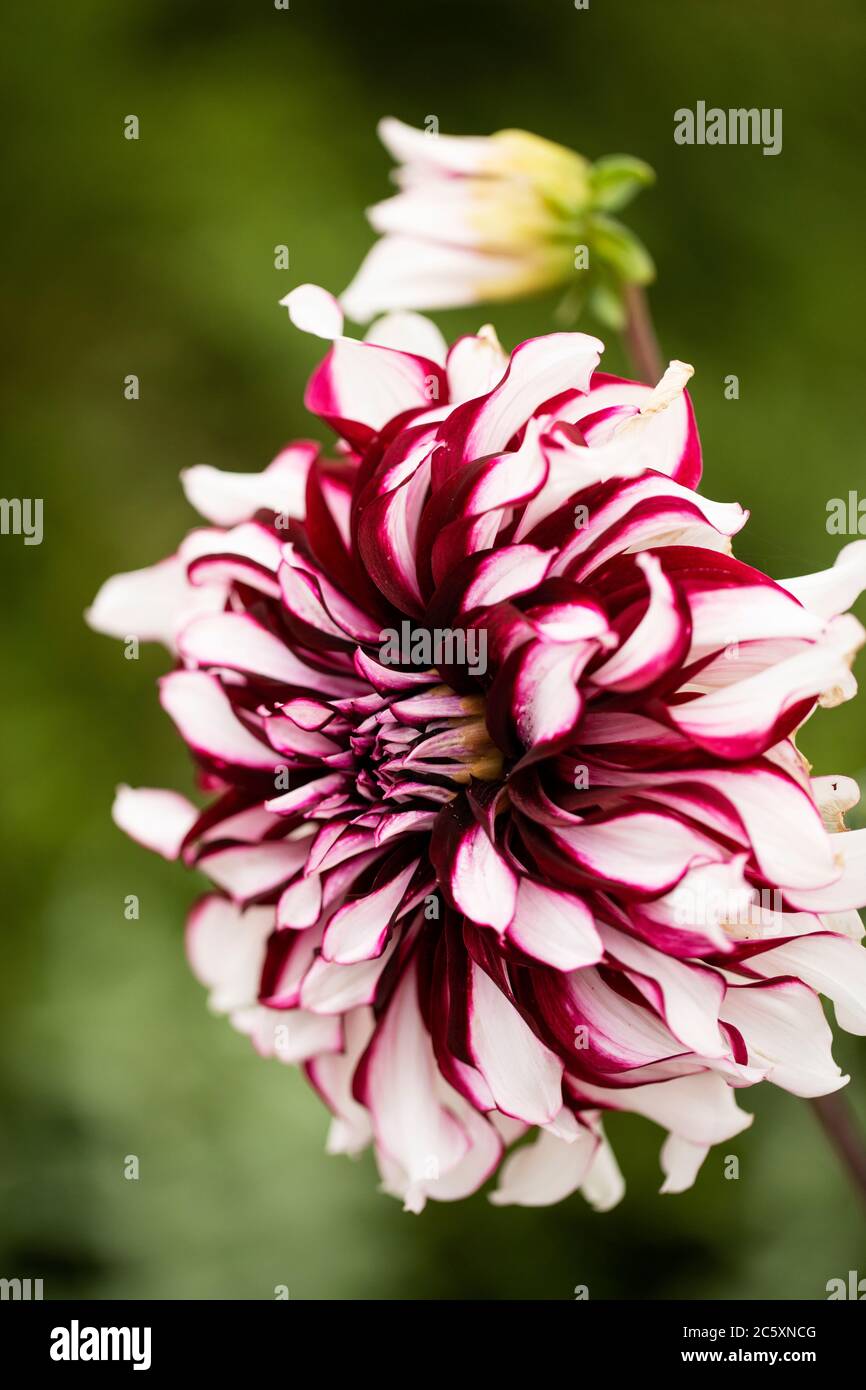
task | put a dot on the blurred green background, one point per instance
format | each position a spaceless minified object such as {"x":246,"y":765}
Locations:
{"x":156,"y":257}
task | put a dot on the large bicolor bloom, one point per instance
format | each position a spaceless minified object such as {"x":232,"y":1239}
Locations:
{"x":483,"y":908}
{"x":484,"y":218}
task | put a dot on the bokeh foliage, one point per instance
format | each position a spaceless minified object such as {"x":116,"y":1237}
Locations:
{"x":156,"y":257}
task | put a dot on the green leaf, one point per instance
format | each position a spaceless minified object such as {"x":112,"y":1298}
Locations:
{"x":620,"y":250}
{"x":606,"y":303}
{"x":616,"y":179}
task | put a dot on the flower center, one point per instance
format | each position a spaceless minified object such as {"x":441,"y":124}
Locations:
{"x":424,"y":746}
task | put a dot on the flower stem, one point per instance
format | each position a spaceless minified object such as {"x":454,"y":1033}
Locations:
{"x":834,"y":1112}
{"x":840,"y":1126}
{"x":640,"y":336}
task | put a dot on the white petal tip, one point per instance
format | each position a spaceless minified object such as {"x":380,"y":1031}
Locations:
{"x":314,"y":310}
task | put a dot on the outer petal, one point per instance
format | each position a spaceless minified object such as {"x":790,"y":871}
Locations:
{"x":700,"y":1108}
{"x":314,"y":310}
{"x":226,"y":949}
{"x":230,"y":498}
{"x":681,"y":1161}
{"x":687,"y":996}
{"x":833,"y":591}
{"x":523,"y":1075}
{"x":784,"y":1028}
{"x":151,"y":604}
{"x":237,"y":642}
{"x":203,"y":713}
{"x":398,"y":1084}
{"x":747,"y":717}
{"x":831,"y":965}
{"x":157,"y":819}
{"x":545,"y":1172}
{"x":331,"y":1074}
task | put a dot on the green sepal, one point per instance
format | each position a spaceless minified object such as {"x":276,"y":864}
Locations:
{"x":620,"y":250}
{"x":617,"y":178}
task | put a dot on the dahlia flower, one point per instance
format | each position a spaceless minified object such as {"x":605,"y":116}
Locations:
{"x":483,"y":908}
{"x":482,"y":218}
